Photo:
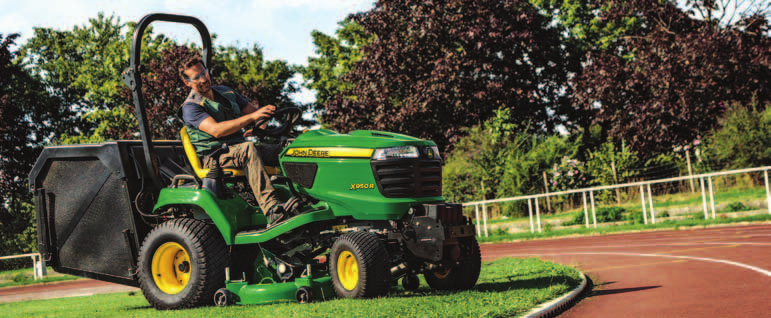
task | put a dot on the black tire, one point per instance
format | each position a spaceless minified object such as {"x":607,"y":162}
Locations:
{"x":223,"y":297}
{"x":410,"y":282}
{"x":359,"y":266}
{"x":462,"y":276}
{"x":304,"y":295}
{"x":182,"y":264}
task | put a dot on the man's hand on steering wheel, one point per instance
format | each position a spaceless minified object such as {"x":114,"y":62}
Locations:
{"x":286,"y":118}
{"x":263,"y":114}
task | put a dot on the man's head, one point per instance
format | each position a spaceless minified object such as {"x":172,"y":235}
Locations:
{"x":195,"y":75}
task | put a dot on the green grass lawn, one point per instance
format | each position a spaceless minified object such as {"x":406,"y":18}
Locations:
{"x":507,"y":287}
{"x":548,"y":232}
{"x":25,"y":276}
{"x":661,"y":203}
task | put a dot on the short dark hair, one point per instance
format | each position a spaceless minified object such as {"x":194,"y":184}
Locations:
{"x":188,"y":63}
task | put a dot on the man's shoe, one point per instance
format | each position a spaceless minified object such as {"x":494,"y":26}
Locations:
{"x":276,"y":215}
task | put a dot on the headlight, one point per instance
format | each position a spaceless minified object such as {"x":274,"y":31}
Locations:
{"x":432,"y":153}
{"x":396,"y":153}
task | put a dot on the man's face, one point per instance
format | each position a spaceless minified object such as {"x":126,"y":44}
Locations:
{"x":198,"y":79}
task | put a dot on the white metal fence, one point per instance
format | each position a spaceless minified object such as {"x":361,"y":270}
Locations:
{"x":38,"y":266}
{"x":646,"y":199}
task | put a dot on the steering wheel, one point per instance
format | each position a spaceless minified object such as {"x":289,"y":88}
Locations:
{"x":286,"y":117}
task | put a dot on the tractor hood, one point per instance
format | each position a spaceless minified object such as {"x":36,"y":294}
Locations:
{"x":357,"y":142}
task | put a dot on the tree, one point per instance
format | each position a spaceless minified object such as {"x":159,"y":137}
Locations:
{"x":728,"y":13}
{"x":744,"y":140}
{"x":666,"y":86}
{"x":503,"y":157}
{"x":584,"y":24}
{"x":27,"y":112}
{"x":337,"y":56}
{"x":435,"y":67}
{"x":83,"y":67}
{"x":247,"y":72}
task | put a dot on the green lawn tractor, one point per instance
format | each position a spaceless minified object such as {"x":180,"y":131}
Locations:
{"x":146,"y":214}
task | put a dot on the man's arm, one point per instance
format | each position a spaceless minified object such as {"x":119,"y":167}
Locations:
{"x":229,"y":127}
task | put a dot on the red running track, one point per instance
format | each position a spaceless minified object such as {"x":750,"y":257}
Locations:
{"x":713,"y":272}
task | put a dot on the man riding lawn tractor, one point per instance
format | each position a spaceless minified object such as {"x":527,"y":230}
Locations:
{"x":216,"y":115}
{"x":151,"y":214}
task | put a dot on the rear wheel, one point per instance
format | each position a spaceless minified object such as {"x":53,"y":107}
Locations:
{"x":182,"y":264}
{"x":462,"y":276}
{"x":359,"y":266}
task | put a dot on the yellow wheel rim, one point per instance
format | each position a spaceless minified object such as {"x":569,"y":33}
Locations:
{"x":171,"y":268}
{"x":442,"y":274}
{"x":347,"y":270}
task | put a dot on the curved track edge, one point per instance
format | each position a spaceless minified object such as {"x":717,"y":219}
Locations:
{"x":559,"y":305}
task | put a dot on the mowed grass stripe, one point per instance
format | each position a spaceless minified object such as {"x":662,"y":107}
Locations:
{"x":507,"y":287}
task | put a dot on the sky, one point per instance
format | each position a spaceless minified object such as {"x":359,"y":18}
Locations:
{"x":282,"y":28}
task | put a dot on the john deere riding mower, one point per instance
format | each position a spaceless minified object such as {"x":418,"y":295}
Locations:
{"x":147,"y":214}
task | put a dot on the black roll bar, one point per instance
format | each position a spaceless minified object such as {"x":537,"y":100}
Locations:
{"x":132,"y":78}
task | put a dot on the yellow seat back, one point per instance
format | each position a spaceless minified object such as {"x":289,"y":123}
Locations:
{"x":195,"y":162}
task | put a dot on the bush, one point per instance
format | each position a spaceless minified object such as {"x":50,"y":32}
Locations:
{"x":745,"y":137}
{"x":605,"y":214}
{"x":610,"y":214}
{"x":736,"y":207}
{"x":578,"y":219}
{"x":663,"y":214}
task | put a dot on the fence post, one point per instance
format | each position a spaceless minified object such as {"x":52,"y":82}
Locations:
{"x":642,"y":199}
{"x":484,"y":217}
{"x":594,"y":213}
{"x":690,"y":170}
{"x":768,"y":192}
{"x":704,"y":198}
{"x":37,"y":267}
{"x":615,"y":179}
{"x":530,"y":211}
{"x":650,"y":200}
{"x":586,"y":211}
{"x":479,"y":224}
{"x":546,"y":188}
{"x":538,"y":215}
{"x":711,"y":198}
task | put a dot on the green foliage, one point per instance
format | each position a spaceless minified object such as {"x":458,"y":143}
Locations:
{"x":336,"y":58}
{"x":635,"y":217}
{"x":736,"y":207}
{"x":601,"y":162}
{"x":84,"y":65}
{"x":505,"y":158}
{"x":578,"y":219}
{"x":28,"y":115}
{"x":744,"y":139}
{"x":584,"y":25}
{"x":663,"y":214}
{"x":247,"y":72}
{"x":610,"y":214}
{"x":604,"y":215}
{"x":109,"y":124}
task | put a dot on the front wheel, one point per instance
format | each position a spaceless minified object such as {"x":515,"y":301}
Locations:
{"x":462,"y":276}
{"x":182,"y":264}
{"x":359,"y":266}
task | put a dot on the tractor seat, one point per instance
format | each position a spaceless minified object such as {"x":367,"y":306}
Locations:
{"x":200,"y":171}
